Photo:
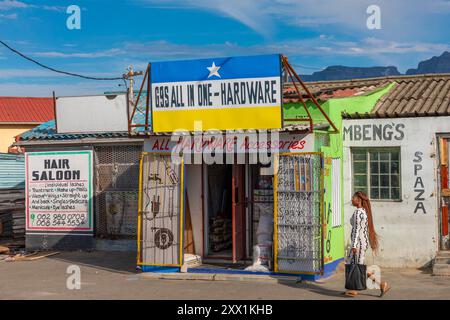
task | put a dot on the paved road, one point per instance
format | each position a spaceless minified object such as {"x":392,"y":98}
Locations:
{"x":113,"y":276}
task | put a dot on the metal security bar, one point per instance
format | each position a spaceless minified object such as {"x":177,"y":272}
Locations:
{"x":116,"y":190}
{"x":299,"y":192}
{"x":161,"y":206}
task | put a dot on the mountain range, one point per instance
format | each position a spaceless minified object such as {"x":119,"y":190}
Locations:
{"x":439,"y":64}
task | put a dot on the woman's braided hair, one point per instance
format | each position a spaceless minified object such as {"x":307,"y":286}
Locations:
{"x":365,"y":202}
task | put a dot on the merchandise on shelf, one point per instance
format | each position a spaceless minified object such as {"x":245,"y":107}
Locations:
{"x":220,"y":235}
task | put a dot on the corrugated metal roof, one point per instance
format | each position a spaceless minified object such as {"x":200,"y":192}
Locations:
{"x":12,"y":171}
{"x":26,"y":110}
{"x":47,"y":131}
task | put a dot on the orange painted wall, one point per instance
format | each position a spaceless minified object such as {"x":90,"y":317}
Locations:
{"x":9,"y":131}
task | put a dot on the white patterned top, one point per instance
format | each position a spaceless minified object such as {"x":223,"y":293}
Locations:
{"x":360,"y":229}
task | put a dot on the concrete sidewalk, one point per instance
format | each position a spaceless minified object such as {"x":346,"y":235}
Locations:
{"x":220,"y":277}
{"x":112,"y":275}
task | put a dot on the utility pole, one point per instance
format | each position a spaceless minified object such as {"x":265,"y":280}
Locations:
{"x":130,"y":77}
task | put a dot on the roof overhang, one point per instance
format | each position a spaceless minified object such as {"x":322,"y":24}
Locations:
{"x":20,"y":123}
{"x":356,"y":116}
{"x":302,"y":128}
{"x":82,"y":141}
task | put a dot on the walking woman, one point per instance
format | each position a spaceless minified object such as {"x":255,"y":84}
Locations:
{"x":363,"y":235}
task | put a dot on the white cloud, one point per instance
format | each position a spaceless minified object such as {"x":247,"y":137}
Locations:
{"x":140,"y":53}
{"x":372,"y":46}
{"x":399,"y":18}
{"x":403,"y":54}
{"x":53,"y":8}
{"x":37,"y":73}
{"x":262,"y":15}
{"x":15,"y":4}
{"x":248,"y":12}
{"x":11,"y":16}
{"x":87,"y":55}
{"x":46,"y":90}
{"x":157,"y":50}
{"x":12,"y":4}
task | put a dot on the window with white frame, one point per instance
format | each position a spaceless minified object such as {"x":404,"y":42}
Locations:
{"x":376,"y":171}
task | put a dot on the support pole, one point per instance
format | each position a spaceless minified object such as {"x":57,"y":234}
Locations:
{"x":292,"y":73}
{"x":147,"y":100}
{"x":310,"y":120}
{"x":136,"y":103}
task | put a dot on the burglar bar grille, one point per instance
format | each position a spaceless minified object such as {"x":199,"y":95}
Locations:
{"x":299,"y":223}
{"x":116,"y":190}
{"x":160,"y":212}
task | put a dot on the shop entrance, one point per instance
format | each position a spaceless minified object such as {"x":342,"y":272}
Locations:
{"x":225,"y":212}
{"x":277,"y":212}
{"x":218,"y":211}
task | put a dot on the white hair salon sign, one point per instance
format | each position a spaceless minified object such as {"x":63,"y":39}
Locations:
{"x":59,"y":191}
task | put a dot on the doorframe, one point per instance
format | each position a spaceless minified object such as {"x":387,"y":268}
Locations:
{"x":240,"y":170}
{"x":205,"y":228}
{"x":442,"y":245}
{"x":205,"y":211}
{"x":205,"y":196}
{"x":248,"y":210}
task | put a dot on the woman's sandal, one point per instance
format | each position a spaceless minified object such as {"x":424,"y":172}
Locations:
{"x":384,"y":287}
{"x":351,"y":293}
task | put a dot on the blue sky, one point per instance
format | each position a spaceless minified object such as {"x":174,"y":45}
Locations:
{"x":115,"y":34}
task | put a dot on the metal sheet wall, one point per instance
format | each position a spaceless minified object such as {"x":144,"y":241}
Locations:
{"x":12,"y":171}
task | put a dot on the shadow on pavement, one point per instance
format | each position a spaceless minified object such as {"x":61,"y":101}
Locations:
{"x":114,"y":261}
{"x":315,"y":288}
{"x":321,"y":289}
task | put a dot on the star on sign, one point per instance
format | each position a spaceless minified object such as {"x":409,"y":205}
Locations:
{"x":213,"y":70}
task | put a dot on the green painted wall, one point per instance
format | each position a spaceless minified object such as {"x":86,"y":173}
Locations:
{"x":334,"y":237}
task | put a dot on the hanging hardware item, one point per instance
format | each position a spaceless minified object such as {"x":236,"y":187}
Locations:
{"x":171,"y":173}
{"x":163,"y":238}
{"x":156,"y":204}
{"x":155,"y":177}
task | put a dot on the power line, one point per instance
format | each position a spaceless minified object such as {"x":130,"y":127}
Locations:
{"x":56,"y":70}
{"x":101,"y":78}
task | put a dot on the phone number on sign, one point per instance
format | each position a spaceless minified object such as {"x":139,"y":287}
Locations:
{"x":59,"y":220}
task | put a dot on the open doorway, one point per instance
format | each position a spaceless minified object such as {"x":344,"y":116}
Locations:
{"x":219,"y":216}
{"x":225,"y":221}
